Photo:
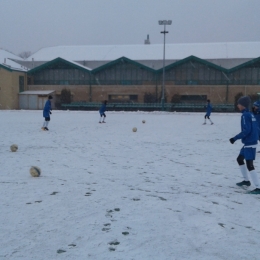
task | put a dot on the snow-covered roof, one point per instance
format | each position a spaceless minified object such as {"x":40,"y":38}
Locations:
{"x":9,"y":64}
{"x":8,"y":55}
{"x":229,"y":50}
{"x":5,"y":60}
{"x":76,"y":63}
{"x":37,"y":92}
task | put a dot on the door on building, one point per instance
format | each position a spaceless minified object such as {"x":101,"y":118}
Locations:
{"x":41,"y":102}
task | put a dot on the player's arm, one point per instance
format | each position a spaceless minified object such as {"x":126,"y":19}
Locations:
{"x":246,"y":127}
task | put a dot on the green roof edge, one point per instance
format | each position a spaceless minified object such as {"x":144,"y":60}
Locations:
{"x":117,"y":61}
{"x":54,"y":61}
{"x":244,"y":64}
{"x":193,"y":58}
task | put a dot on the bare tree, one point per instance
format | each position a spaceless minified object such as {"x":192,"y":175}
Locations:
{"x":25,"y":54}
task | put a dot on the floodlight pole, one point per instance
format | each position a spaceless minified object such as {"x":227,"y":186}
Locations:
{"x":164,"y":22}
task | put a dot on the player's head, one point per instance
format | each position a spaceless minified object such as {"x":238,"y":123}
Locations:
{"x":208,"y":100}
{"x":243,"y":103}
{"x":255,"y":106}
{"x":50,"y":97}
{"x":105,"y":102}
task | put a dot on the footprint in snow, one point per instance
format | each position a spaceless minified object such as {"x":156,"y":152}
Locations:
{"x":54,"y":193}
{"x":110,"y":211}
{"x":113,"y":245}
{"x":107,"y":227}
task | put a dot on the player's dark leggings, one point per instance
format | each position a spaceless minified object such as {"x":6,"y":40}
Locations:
{"x":249,"y":163}
{"x":206,"y":116}
{"x":47,"y":119}
{"x":104,"y":115}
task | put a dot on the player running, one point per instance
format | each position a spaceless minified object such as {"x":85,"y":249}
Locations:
{"x":208,"y":112}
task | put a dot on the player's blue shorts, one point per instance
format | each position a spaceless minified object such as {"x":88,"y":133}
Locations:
{"x":248,"y":153}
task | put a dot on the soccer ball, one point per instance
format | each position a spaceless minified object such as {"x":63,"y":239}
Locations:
{"x":35,"y":171}
{"x":134,"y":129}
{"x":143,"y":121}
{"x":14,"y":147}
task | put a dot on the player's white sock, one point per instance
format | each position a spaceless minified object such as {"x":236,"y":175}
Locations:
{"x":104,"y":119}
{"x":210,"y":121}
{"x":47,"y":122}
{"x":100,"y":119}
{"x":243,"y":170}
{"x":44,"y":124}
{"x":255,"y":178}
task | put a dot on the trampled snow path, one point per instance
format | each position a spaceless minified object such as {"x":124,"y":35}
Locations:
{"x":165,"y":192}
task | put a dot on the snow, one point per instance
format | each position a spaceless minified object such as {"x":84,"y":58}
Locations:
{"x":170,"y":185}
{"x":221,"y":50}
{"x":37,"y":92}
{"x":6,"y":54}
{"x":9,"y":64}
{"x":5,"y":60}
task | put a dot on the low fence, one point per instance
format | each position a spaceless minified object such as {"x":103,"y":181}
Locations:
{"x":170,"y":107}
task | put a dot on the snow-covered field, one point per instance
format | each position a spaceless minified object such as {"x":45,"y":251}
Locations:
{"x":166,"y":191}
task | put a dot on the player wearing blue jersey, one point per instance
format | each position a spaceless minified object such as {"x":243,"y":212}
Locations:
{"x":46,"y":113}
{"x":102,"y":111}
{"x":208,"y":112}
{"x":249,"y":137}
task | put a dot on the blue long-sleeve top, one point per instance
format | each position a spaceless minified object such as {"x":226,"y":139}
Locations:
{"x":209,"y":109}
{"x":249,"y":131}
{"x":47,"y":109}
{"x":102,"y":109}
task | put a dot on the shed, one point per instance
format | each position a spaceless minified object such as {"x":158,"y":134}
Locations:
{"x":35,"y":99}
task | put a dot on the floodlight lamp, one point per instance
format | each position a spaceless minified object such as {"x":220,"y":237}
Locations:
{"x":169,"y":22}
{"x":160,"y":22}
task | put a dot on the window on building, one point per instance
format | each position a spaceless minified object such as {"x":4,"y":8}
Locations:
{"x":21,"y":83}
{"x":193,"y":98}
{"x":123,"y":98}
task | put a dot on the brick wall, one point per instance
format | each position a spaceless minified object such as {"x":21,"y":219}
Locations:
{"x":9,"y":89}
{"x":216,"y":93}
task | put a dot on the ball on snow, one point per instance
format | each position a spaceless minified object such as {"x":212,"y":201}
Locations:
{"x":14,"y":147}
{"x":143,"y":121}
{"x":35,"y":171}
{"x":134,"y":129}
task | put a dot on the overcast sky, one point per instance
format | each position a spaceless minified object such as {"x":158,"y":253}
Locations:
{"x":29,"y":25}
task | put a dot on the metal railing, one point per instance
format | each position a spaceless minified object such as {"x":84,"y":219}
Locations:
{"x":170,"y":107}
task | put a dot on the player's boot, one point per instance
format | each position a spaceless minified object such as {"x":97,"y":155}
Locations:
{"x":103,"y":122}
{"x":204,"y":123}
{"x":43,"y":128}
{"x":46,"y":128}
{"x":246,"y":183}
{"x":99,"y":122}
{"x":212,"y":123}
{"x":255,"y":191}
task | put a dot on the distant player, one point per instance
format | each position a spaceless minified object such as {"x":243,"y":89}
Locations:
{"x":102,"y":111}
{"x":249,"y":137}
{"x":46,"y":113}
{"x":208,"y":112}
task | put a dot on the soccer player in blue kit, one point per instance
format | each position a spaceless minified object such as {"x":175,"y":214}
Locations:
{"x":249,"y":137}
